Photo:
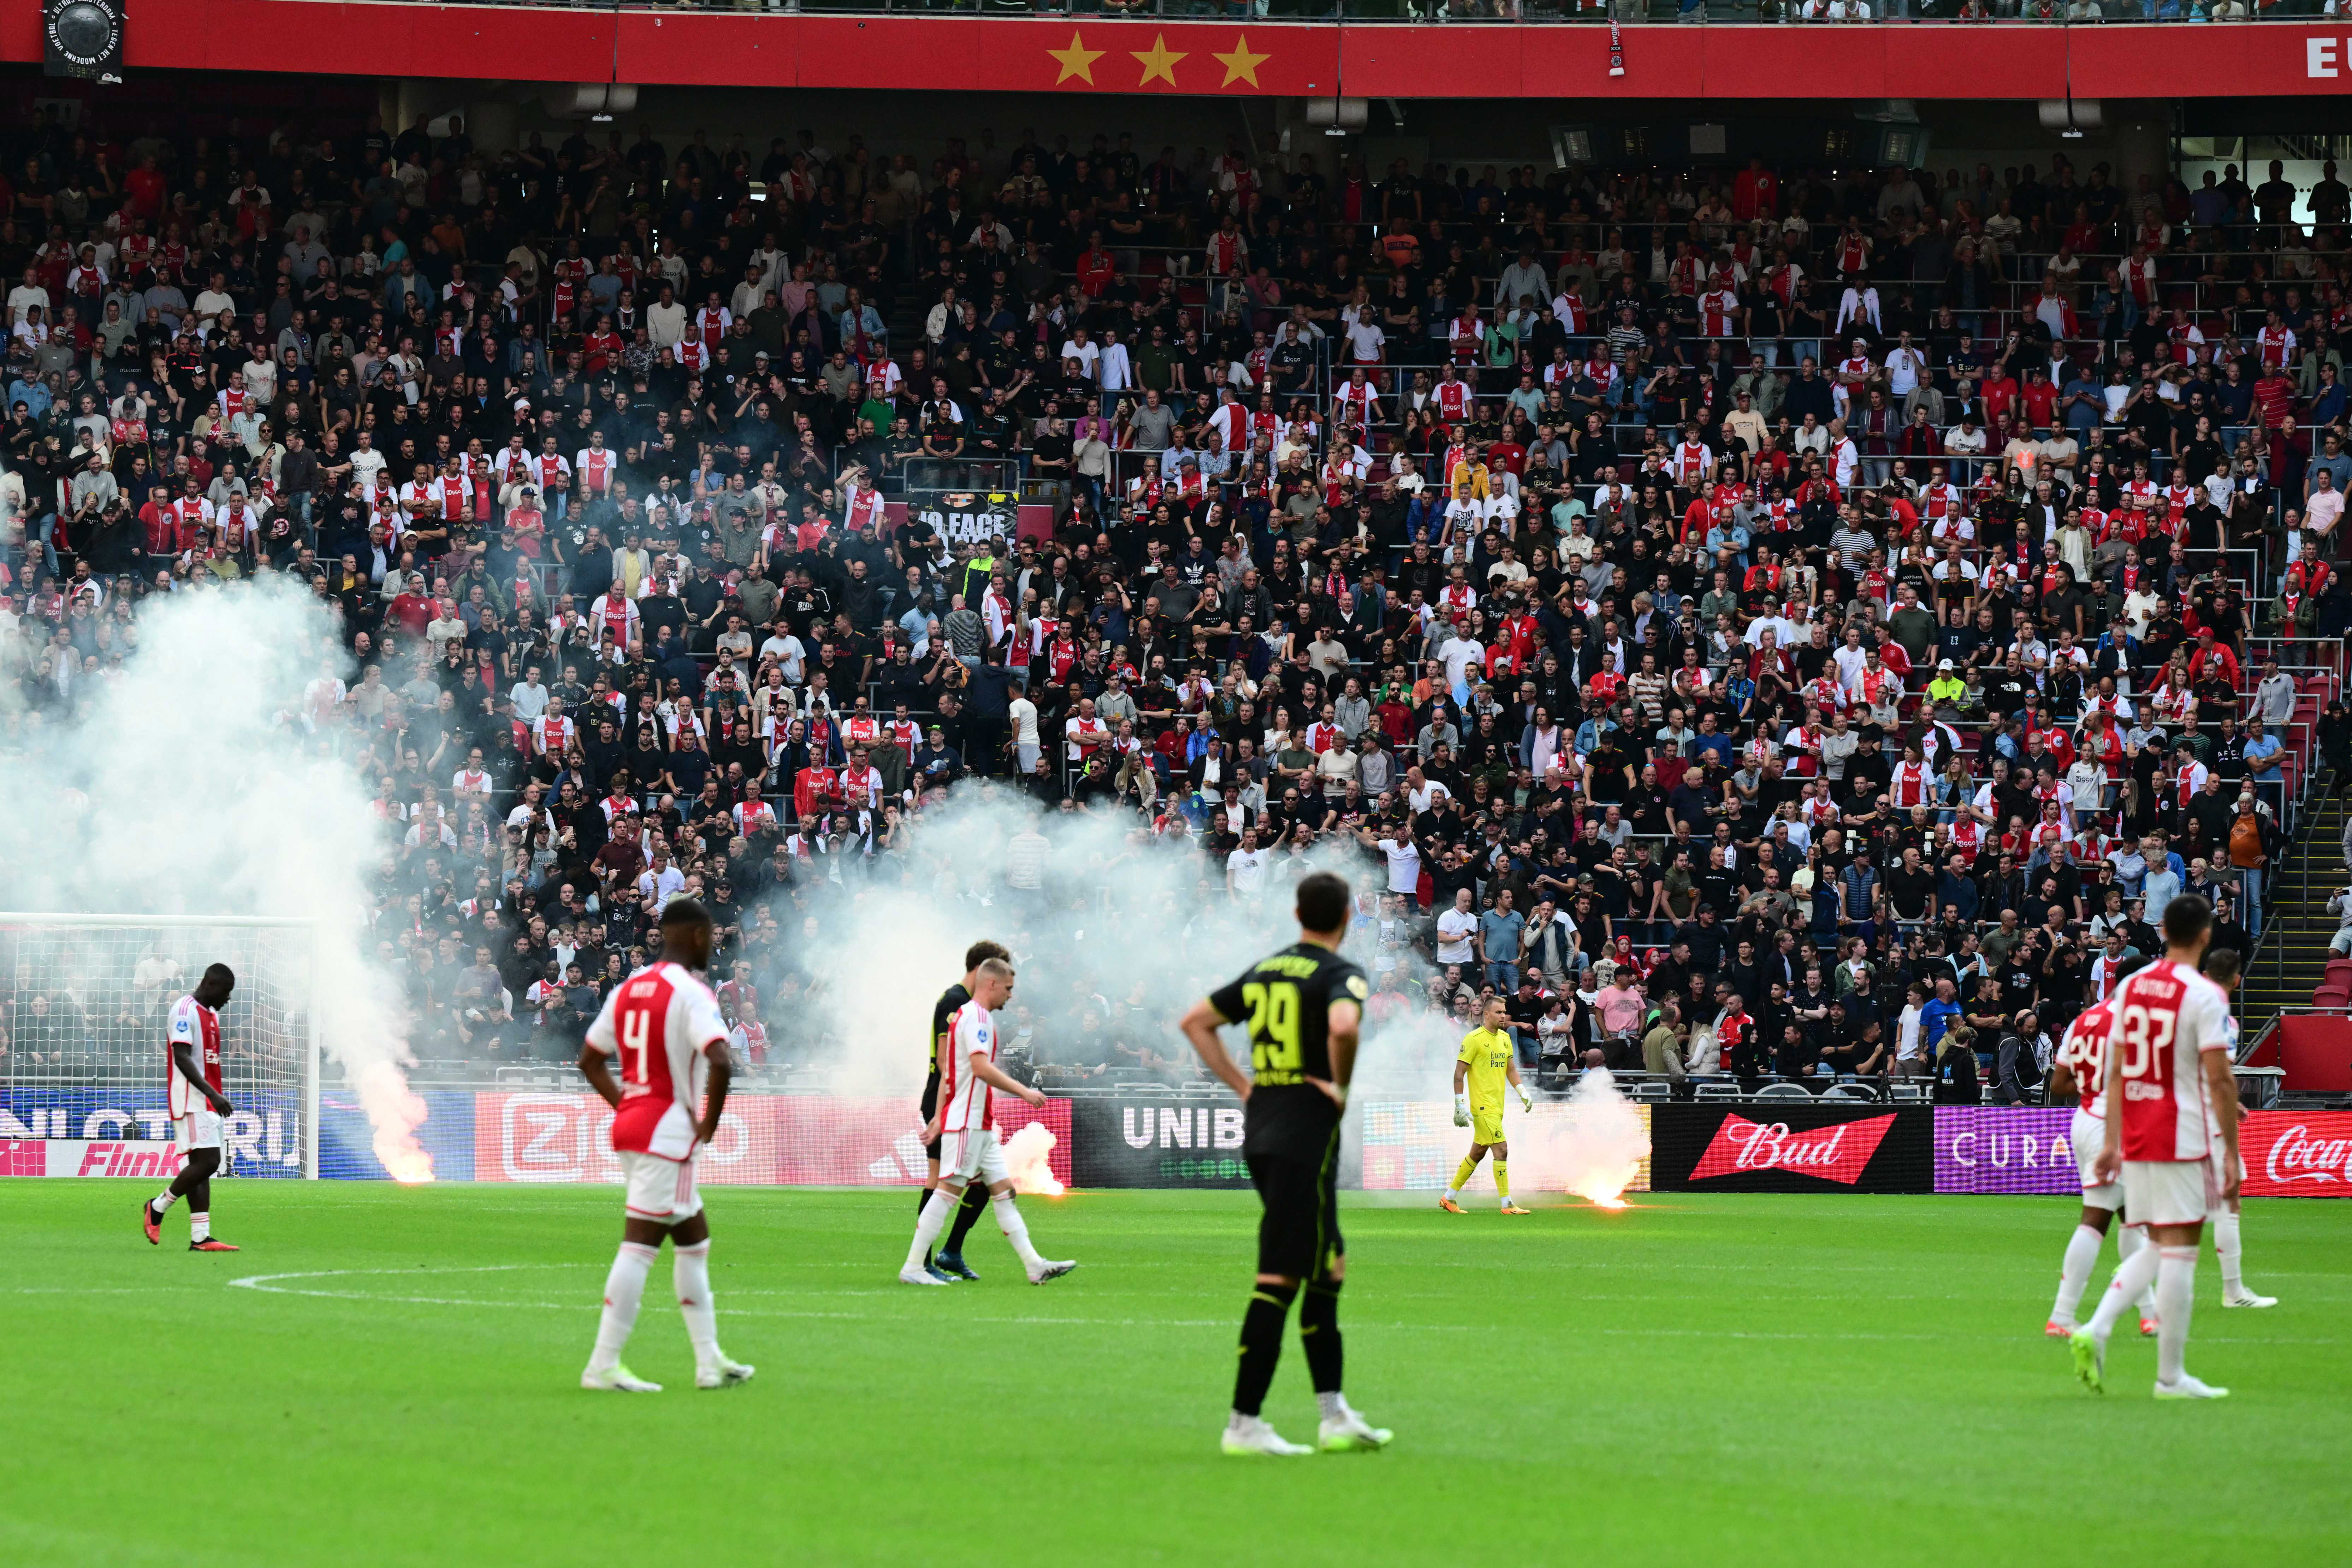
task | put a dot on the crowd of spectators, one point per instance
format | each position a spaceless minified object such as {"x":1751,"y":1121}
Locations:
{"x":1793,"y":609}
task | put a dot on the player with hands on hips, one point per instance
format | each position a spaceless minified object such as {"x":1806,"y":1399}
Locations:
{"x":663,"y":1026}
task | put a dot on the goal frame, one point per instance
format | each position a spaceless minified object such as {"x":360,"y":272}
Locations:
{"x":313,"y":1045}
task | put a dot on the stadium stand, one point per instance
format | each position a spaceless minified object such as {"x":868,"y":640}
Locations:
{"x":1862,"y":597}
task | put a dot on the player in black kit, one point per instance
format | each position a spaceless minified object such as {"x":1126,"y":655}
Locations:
{"x":949,"y":1264}
{"x":1304,"y":1008}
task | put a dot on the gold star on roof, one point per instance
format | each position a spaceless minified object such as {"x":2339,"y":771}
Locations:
{"x":1159,"y":61}
{"x":1077,"y":60}
{"x":1241,"y":65}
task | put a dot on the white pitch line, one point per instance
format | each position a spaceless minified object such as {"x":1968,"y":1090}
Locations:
{"x":268,"y":1284}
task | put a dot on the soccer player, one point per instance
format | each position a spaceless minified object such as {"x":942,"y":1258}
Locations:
{"x":665,"y":1026}
{"x":2172,"y":1088}
{"x":949,"y":1264}
{"x":2076,"y":1071}
{"x":192,"y":1046}
{"x":1487,"y":1062}
{"x":2221,"y":968}
{"x":965,"y":1126}
{"x":1304,"y":1008}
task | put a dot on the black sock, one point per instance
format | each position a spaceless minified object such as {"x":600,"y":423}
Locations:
{"x":1318,"y":1334}
{"x":922,"y":1200}
{"x":1261,"y":1345}
{"x":975,"y":1204}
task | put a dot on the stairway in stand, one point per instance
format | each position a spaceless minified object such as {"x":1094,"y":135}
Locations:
{"x":2298,"y":926}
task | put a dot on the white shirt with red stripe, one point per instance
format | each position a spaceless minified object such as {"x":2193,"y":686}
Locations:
{"x":967,"y":1103}
{"x":197,"y":1026}
{"x":657,"y":1022}
{"x":596,"y":466}
{"x":2084,"y":1053}
{"x":2166,"y":1017}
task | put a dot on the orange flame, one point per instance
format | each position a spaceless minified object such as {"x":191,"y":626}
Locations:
{"x":1025,"y":1153}
{"x":395,"y":1112}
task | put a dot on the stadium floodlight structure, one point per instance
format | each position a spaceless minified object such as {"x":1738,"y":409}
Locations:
{"x":88,"y":1000}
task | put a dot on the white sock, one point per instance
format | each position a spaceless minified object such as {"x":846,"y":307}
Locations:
{"x":2132,"y":1277}
{"x":929,"y":1223}
{"x":163,"y":1202}
{"x":1333,"y":1404}
{"x":1453,"y":1192}
{"x":2226,"y":1247}
{"x":2176,"y":1293}
{"x":2128,"y":1240}
{"x":1237,"y":1422}
{"x":2075,"y":1273}
{"x":624,"y":1288}
{"x":691,"y":1270}
{"x":200,"y":1227}
{"x":1016,"y":1228}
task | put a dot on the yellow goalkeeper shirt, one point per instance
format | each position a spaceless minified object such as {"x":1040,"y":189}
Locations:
{"x":1487,"y":1053}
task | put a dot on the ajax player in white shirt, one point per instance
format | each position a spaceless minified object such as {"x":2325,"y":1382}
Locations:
{"x":965,"y":1125}
{"x":2076,"y":1072}
{"x":664,"y":1025}
{"x":191,"y":1042}
{"x":2171,"y":1095}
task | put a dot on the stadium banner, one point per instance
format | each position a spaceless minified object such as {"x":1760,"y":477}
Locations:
{"x":1236,"y":57}
{"x":1791,"y":1148}
{"x":347,"y":1140}
{"x":2006,"y":1149}
{"x":967,"y":517}
{"x":261,"y":1138}
{"x":876,"y":1141}
{"x":1413,"y":1145}
{"x":1156,"y":1142}
{"x":89,"y":1157}
{"x":82,"y":39}
{"x":542,"y":1137}
{"x":2298,"y":1154}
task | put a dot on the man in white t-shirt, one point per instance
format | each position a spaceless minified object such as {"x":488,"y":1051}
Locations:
{"x":1021,"y":715}
{"x":1404,"y":857}
{"x":1457,"y":930}
{"x":1245,"y":869}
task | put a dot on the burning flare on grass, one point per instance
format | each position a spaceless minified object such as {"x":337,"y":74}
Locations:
{"x":394,"y":1112}
{"x":1607,"y":1141}
{"x":1025,"y":1153}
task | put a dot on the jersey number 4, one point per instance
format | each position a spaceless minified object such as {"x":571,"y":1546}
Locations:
{"x":2147,"y":1038}
{"x":636,"y":1029}
{"x":1274,"y":1030}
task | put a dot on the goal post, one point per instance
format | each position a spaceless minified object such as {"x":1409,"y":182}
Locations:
{"x":87,"y":1001}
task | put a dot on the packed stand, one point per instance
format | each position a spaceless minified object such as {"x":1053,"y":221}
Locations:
{"x":1777,"y":623}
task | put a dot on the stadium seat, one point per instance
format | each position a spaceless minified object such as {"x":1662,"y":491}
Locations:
{"x":1717,"y":1089}
{"x":1848,"y":1091}
{"x":1784,"y":1092}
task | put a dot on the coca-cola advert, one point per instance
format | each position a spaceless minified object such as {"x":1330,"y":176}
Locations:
{"x":2298,"y":1155}
{"x":2006,"y":1149}
{"x":1791,"y":1148}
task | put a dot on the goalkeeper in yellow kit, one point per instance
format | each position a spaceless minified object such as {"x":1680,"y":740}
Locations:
{"x":1487,"y":1063}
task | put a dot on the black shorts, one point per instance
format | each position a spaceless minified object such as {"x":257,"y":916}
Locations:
{"x":930,"y":1109}
{"x":1298,"y":1234}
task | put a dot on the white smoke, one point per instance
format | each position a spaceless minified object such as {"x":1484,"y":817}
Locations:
{"x":193,"y":787}
{"x":1603,"y":1141}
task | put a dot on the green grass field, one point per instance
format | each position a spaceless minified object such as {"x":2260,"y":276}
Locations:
{"x":1698,"y":1379}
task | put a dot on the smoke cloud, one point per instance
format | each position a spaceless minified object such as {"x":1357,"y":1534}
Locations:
{"x":194,"y":786}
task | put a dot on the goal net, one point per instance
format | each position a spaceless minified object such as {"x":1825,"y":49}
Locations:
{"x":85,"y":1004}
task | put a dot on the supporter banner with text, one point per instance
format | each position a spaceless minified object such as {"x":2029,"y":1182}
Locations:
{"x":2005,"y":1149}
{"x":1792,"y":1147}
{"x":1160,"y":1143}
{"x":1414,"y":1146}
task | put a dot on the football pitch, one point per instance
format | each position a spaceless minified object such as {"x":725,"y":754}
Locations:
{"x":390,"y":1375}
